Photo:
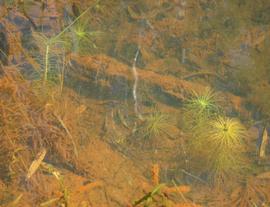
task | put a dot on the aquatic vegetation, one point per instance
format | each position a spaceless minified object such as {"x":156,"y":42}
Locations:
{"x":254,"y":191}
{"x":158,"y":196}
{"x":24,"y":119}
{"x":203,"y":103}
{"x":51,"y":50}
{"x":226,"y":143}
{"x":83,"y":37}
{"x":215,"y":138}
{"x":147,"y":199}
{"x":64,"y":199}
{"x":226,"y":132}
{"x":154,"y":124}
{"x":200,"y":107}
{"x":53,"y":47}
{"x":220,"y":141}
{"x":174,"y":46}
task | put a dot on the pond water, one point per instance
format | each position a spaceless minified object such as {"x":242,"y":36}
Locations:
{"x":134,"y":103}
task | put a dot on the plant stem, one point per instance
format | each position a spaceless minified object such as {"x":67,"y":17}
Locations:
{"x":56,"y":37}
{"x":75,"y":20}
{"x":62,"y":75}
{"x":69,"y":134}
{"x":46,"y":64}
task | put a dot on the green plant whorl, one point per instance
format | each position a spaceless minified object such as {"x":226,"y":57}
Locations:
{"x":83,"y":37}
{"x":205,"y":102}
{"x":225,"y":143}
{"x":216,"y":142}
{"x":226,"y":132}
{"x":155,"y":124}
{"x":200,"y":108}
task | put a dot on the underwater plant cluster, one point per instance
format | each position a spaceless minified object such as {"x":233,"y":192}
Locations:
{"x":134,"y":103}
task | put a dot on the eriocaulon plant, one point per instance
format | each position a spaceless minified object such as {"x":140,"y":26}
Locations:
{"x":226,"y":148}
{"x":215,"y":141}
{"x":155,"y":124}
{"x":201,"y":106}
{"x":219,"y":143}
{"x":50,"y":45}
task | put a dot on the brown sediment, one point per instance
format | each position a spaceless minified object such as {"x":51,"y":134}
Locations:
{"x":112,"y":69}
{"x":96,"y":155}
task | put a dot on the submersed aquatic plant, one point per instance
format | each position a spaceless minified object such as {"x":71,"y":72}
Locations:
{"x":51,"y":50}
{"x":154,"y":124}
{"x":216,"y":142}
{"x":51,"y":46}
{"x":204,"y":102}
{"x":200,"y":107}
{"x":221,"y":141}
{"x":226,"y":132}
{"x":226,"y":141}
{"x":83,"y":37}
{"x":254,"y":191}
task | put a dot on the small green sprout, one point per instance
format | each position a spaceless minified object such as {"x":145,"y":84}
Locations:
{"x":204,"y":102}
{"x":155,"y":124}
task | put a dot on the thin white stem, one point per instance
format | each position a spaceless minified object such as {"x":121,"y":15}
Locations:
{"x":135,"y":85}
{"x":46,"y":64}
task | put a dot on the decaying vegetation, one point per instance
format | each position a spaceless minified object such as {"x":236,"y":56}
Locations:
{"x":197,"y":72}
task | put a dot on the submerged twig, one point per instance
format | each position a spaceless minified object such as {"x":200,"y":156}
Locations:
{"x":194,"y":176}
{"x":49,"y":202}
{"x":263,"y":144}
{"x":36,"y":163}
{"x":178,"y":191}
{"x":68,"y":133}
